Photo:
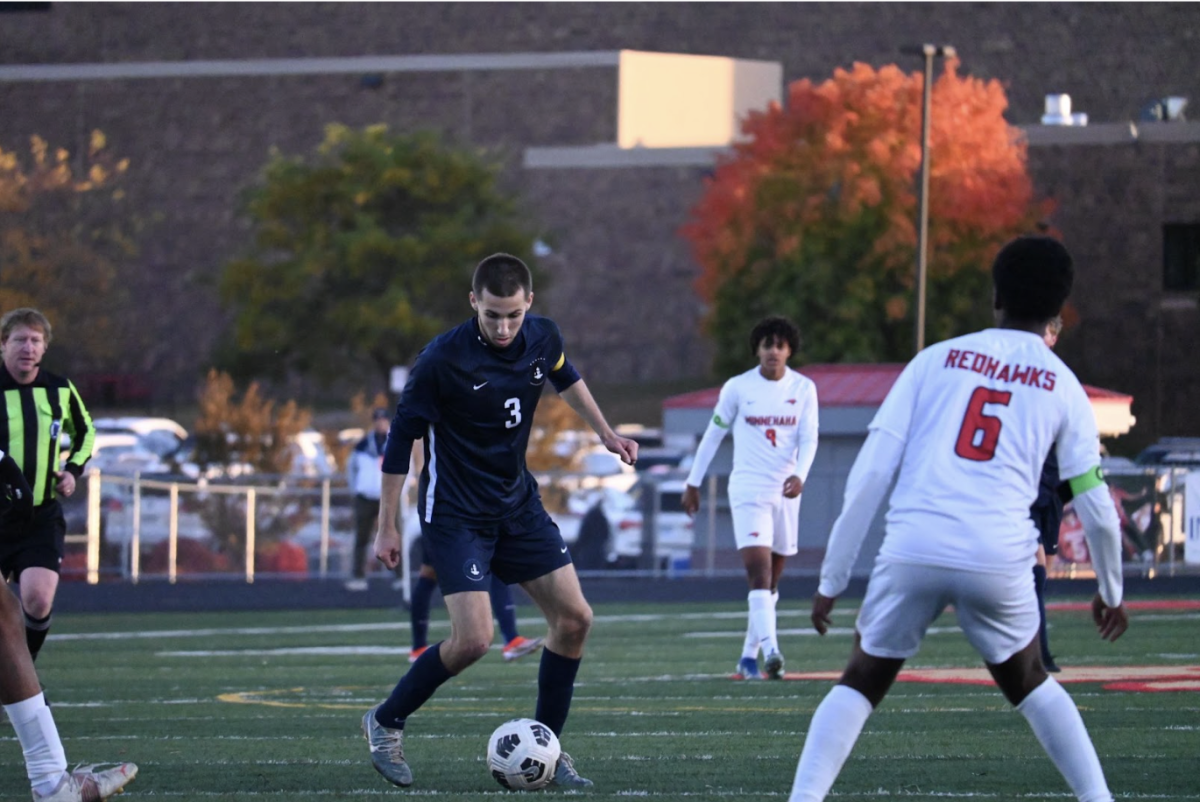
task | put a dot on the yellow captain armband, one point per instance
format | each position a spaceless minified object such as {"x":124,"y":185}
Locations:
{"x":1086,"y":481}
{"x":562,"y":359}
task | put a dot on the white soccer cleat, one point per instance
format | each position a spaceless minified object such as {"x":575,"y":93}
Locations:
{"x":86,"y":784}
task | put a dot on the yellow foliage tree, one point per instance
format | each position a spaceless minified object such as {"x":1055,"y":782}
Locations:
{"x":64,"y":246}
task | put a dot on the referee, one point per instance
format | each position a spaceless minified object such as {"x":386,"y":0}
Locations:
{"x":38,"y":408}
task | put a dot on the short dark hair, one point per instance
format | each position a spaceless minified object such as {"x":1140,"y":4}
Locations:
{"x":775,"y":327}
{"x":502,"y":275}
{"x":1033,"y":277}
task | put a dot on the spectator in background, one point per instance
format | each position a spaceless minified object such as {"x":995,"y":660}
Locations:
{"x":364,"y":475}
{"x":38,"y":407}
{"x":1047,"y":514}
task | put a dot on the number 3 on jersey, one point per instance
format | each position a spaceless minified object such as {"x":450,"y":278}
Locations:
{"x":978,"y":425}
{"x":513,"y":405}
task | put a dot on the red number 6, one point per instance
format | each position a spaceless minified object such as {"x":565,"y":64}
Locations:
{"x":987,"y":426}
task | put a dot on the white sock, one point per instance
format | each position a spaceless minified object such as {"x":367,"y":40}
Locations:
{"x":1056,"y":722}
{"x":750,"y":644}
{"x":45,"y":761}
{"x":831,"y":735}
{"x":775,"y":615}
{"x":762,"y":620}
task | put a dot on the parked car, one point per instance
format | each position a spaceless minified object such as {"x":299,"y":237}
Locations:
{"x":1172,"y":452}
{"x":598,"y":467}
{"x":124,"y":453}
{"x":163,"y":436}
{"x":621,"y":511}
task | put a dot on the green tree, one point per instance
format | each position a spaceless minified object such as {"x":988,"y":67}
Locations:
{"x":67,"y":248}
{"x":363,"y":252}
{"x":813,"y":216}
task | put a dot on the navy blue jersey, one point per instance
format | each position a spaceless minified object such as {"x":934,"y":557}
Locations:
{"x":473,"y":404}
{"x":1047,"y":510}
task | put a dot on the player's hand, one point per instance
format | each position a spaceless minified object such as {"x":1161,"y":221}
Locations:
{"x":792,"y":486}
{"x":691,"y":499}
{"x":387,"y":547}
{"x":822,"y":607}
{"x":1110,"y":621}
{"x":624,"y":447}
{"x":65,"y":485}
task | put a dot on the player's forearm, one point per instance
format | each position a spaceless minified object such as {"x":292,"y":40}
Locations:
{"x":806,"y":452}
{"x":389,"y":500}
{"x":1103,"y":532}
{"x":866,"y":486}
{"x":579,"y":398}
{"x":705,"y":452}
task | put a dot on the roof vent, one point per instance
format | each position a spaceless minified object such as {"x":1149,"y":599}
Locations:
{"x":1058,"y":112}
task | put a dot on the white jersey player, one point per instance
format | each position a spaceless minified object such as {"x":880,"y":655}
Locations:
{"x":772,"y":412}
{"x":968,"y":425}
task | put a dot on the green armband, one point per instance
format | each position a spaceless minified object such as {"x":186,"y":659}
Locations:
{"x":1086,"y":481}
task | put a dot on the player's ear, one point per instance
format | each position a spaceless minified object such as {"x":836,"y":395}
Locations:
{"x":528,"y":300}
{"x":474,"y":303}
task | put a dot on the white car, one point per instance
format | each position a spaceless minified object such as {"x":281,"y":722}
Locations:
{"x":163,"y":436}
{"x":123,"y":454}
{"x":675,"y":534}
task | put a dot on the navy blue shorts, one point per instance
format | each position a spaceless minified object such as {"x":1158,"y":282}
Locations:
{"x":523,"y":547}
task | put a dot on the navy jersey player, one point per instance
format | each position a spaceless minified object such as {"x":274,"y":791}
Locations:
{"x":471,"y":397}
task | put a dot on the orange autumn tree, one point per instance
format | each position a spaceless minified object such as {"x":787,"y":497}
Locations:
{"x":814,"y":215}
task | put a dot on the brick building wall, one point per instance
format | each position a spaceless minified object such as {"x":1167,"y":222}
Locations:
{"x":622,"y":277}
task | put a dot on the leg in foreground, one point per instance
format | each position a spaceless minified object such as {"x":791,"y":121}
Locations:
{"x":569,"y":617}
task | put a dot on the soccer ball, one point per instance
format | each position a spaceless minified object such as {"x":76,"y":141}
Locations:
{"x":522,"y":754}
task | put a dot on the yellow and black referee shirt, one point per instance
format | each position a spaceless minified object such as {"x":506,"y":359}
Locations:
{"x":33,"y":420}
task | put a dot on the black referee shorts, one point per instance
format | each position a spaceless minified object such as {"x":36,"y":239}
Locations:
{"x":36,"y":544}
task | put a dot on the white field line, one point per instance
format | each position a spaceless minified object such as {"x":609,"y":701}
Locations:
{"x":532,"y":621}
{"x":402,"y":625}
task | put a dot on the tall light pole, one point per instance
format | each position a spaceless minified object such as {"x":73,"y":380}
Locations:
{"x":928,"y":52}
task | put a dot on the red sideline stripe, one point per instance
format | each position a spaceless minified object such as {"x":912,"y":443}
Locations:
{"x":1160,"y":604}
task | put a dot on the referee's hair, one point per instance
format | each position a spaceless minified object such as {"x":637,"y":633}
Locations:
{"x":502,"y":275}
{"x":1033,"y":277}
{"x":775,"y":327}
{"x":25,"y":316}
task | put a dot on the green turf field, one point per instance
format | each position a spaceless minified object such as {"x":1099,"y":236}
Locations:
{"x":267,"y":706}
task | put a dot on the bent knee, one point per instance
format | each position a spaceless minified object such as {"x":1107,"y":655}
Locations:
{"x":464,"y":652}
{"x":37,"y":607}
{"x":575,"y":624}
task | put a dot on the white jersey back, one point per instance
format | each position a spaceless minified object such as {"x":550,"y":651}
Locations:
{"x":978,"y":416}
{"x":768,"y":420}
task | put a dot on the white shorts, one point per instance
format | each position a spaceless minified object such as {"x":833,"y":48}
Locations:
{"x":997,"y":612}
{"x":766,"y":520}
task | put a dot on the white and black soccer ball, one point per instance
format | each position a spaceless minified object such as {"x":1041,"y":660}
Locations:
{"x":522,"y":754}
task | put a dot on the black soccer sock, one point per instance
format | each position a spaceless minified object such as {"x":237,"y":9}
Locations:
{"x":414,"y":688}
{"x":419,"y":608}
{"x":1039,"y":587}
{"x":503,"y":608}
{"x":36,"y":630}
{"x":556,"y":686}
